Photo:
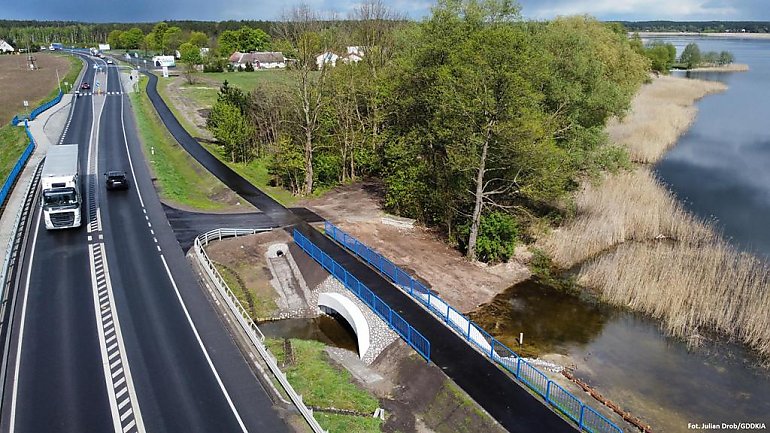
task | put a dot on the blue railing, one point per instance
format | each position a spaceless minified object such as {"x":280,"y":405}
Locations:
{"x":393,"y":319}
{"x":584,"y":416}
{"x":36,"y":112}
{"x":11,"y":179}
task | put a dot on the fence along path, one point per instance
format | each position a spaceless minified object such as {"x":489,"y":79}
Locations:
{"x":380,"y":307}
{"x":584,"y":416}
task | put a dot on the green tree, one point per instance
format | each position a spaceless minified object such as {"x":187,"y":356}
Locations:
{"x":199,"y":39}
{"x":190,"y":56}
{"x":661,"y":55}
{"x":246,"y":39}
{"x":172,"y":39}
{"x":114,"y":39}
{"x":589,"y":73}
{"x":158,"y":32}
{"x":232,"y":131}
{"x":726,"y":57}
{"x":132,"y":39}
{"x":691,"y":56}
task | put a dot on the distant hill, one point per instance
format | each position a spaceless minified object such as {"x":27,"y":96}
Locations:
{"x":698,"y":26}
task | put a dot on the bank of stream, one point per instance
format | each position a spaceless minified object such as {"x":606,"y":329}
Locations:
{"x":629,"y":360}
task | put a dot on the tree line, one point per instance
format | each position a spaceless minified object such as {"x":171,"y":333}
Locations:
{"x":477,"y":122}
{"x":698,"y":26}
{"x":21,"y":33}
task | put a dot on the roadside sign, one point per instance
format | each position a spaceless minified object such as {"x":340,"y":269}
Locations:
{"x":165,"y":72}
{"x":26,"y":103}
{"x":96,"y":67}
{"x":97,"y":84}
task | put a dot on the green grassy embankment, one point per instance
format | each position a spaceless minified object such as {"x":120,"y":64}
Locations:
{"x":322,"y":384}
{"x":180,"y":179}
{"x":255,"y":171}
{"x":13,"y":141}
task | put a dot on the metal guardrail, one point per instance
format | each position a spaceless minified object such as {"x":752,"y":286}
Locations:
{"x":392,"y":318}
{"x":36,"y":112}
{"x":584,"y":416}
{"x":244,"y":320}
{"x":10,"y":261}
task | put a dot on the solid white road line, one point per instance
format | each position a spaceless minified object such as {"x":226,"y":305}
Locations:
{"x":17,"y":367}
{"x":203,"y":348}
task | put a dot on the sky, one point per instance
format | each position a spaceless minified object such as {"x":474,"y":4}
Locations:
{"x":208,"y":10}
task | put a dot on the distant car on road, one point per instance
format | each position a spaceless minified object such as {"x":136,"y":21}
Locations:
{"x":109,"y":61}
{"x":116,"y":180}
{"x":85,"y":86}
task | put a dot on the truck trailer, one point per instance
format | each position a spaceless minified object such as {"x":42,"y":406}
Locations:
{"x":60,"y":184}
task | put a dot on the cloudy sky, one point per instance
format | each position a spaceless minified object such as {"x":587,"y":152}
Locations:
{"x":154,"y":10}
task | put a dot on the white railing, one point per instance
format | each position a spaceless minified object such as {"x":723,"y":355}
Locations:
{"x":244,"y":319}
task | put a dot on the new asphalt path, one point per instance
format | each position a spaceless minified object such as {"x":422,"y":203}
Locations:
{"x":508,"y":402}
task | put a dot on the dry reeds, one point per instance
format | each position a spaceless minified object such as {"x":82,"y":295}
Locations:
{"x":689,"y":288}
{"x":640,"y":249}
{"x":629,"y":206}
{"x":660,"y":113}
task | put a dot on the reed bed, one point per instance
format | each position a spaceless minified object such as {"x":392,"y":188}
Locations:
{"x":659,"y":114}
{"x":639,"y":248}
{"x":688,"y":288}
{"x":628,"y":206}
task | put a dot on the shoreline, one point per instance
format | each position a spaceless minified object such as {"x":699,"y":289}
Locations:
{"x":637,"y":247}
{"x":709,"y":35}
{"x":732,"y":67}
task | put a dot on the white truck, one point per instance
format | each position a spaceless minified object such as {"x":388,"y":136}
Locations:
{"x":60,"y":184}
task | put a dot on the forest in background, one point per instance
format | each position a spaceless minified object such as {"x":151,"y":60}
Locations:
{"x":477,"y":122}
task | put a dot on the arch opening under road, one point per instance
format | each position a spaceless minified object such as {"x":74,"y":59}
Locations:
{"x":352,"y":314}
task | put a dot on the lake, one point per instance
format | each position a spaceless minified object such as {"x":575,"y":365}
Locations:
{"x":720,"y":169}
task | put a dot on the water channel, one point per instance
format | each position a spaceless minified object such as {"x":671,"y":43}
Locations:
{"x":721,"y":170}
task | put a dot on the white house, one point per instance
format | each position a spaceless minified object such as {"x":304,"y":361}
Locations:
{"x":5,"y":47}
{"x":259,"y":59}
{"x":353,"y":54}
{"x":351,"y":58}
{"x":327,"y":58}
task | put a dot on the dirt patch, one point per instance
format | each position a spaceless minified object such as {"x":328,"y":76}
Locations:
{"x":19,"y":83}
{"x":420,"y":251}
{"x":245,"y":256}
{"x":187,"y":107}
{"x":418,"y":397}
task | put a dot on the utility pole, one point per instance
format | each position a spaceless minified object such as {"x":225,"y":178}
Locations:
{"x":58,"y":80}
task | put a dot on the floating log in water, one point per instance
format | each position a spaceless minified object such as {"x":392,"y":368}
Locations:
{"x":636,"y":422}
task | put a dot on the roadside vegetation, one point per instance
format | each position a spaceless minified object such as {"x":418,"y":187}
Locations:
{"x":180,"y":179}
{"x":13,"y":140}
{"x":325,"y":386}
{"x":255,"y":171}
{"x":260,"y":306}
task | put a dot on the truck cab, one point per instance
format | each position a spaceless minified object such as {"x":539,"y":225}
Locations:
{"x":60,"y":184}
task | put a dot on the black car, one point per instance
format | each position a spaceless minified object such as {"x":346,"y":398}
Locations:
{"x":85,"y":86}
{"x":116,"y":180}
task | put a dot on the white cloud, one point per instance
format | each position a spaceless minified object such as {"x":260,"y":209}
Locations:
{"x":633,"y":9}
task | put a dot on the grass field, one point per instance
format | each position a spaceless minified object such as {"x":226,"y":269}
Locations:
{"x":255,"y":171}
{"x":321,"y":384}
{"x":180,"y":179}
{"x":13,"y":141}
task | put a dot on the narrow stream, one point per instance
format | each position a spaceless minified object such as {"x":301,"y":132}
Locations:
{"x":335,"y":332}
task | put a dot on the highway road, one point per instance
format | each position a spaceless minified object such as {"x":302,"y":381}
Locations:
{"x":112,"y":331}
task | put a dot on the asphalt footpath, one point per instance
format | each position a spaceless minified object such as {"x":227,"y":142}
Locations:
{"x":512,"y":405}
